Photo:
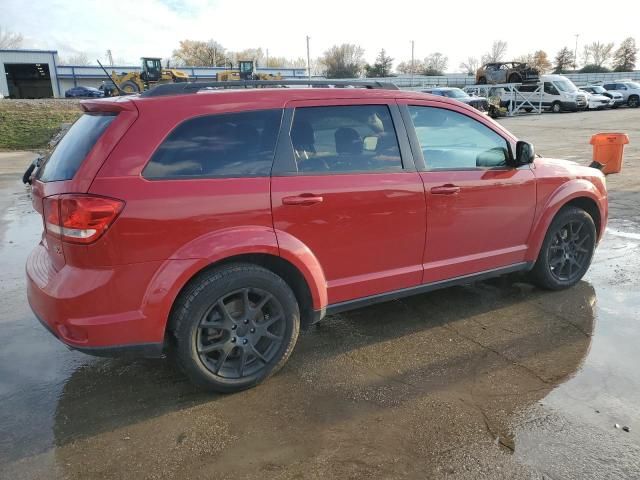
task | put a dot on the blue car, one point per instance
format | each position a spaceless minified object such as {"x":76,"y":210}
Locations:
{"x":83,"y":92}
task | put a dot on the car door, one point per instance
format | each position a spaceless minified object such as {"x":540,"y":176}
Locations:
{"x":479,"y":209}
{"x":344,"y":184}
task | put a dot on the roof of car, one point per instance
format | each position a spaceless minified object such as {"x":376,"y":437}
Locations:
{"x":218,"y":101}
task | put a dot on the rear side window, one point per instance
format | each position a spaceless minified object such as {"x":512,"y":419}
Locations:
{"x":74,"y":147}
{"x":342,"y":139}
{"x":228,"y":145}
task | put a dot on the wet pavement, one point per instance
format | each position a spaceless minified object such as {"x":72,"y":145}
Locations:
{"x":493,"y":380}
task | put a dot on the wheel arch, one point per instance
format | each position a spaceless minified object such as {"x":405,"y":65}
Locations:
{"x":274,"y":263}
{"x":579,"y":193}
{"x":284,"y":255}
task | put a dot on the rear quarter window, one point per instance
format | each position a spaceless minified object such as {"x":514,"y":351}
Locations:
{"x":74,"y":147}
{"x":227,"y":145}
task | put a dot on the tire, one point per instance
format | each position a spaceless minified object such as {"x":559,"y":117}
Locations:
{"x":514,"y":78}
{"x":556,"y":107}
{"x":222,"y":345}
{"x":633,"y":101}
{"x":569,"y":243}
{"x":129,"y":87}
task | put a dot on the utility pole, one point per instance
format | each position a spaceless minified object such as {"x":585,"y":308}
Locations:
{"x":308,"y":60}
{"x":412,"y":62}
{"x":267,"y":65}
{"x":575,"y":54}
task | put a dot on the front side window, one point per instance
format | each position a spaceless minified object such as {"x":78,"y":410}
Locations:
{"x":228,"y":145}
{"x":450,"y":140}
{"x":344,"y":139}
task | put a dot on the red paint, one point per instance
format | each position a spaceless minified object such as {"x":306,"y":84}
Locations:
{"x":349,"y":236}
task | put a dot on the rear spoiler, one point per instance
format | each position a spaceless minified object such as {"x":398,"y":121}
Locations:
{"x":110,"y":105}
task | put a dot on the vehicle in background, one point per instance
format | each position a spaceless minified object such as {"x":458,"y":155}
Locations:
{"x":83,"y":92}
{"x":559,"y":94}
{"x":596,"y":101}
{"x":108,"y":88}
{"x":479,"y":103}
{"x":152,"y":74}
{"x":629,"y":90}
{"x":617,"y":97}
{"x":507,"y":72}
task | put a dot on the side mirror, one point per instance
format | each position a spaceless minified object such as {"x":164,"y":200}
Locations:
{"x":525,"y":153}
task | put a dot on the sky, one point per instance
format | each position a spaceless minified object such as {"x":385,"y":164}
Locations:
{"x":457,"y":29}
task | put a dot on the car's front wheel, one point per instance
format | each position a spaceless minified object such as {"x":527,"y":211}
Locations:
{"x":566,"y":251}
{"x":234,"y":327}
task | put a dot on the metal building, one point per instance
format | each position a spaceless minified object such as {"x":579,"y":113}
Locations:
{"x":29,"y":74}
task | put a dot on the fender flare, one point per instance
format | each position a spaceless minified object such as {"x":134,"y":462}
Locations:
{"x":184,"y":264}
{"x":577,"y":188}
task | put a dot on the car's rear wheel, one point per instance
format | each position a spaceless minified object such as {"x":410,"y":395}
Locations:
{"x":566,"y":251}
{"x":515,"y":78}
{"x":234,"y":327}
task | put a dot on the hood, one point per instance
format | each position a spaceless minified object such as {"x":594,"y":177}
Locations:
{"x":567,"y":168}
{"x":471,"y":99}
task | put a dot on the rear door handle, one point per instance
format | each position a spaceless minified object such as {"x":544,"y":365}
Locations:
{"x":446,"y":190}
{"x":304,"y":199}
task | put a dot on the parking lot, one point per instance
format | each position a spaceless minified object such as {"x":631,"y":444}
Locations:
{"x":492,"y":380}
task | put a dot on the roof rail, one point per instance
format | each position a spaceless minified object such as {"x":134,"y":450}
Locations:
{"x":182,"y":88}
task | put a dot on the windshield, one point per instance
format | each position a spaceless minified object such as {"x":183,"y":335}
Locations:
{"x":597,"y":89}
{"x":455,"y":93}
{"x":565,"y":86}
{"x":633,"y":84}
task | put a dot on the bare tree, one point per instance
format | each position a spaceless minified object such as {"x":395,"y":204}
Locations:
{"x":564,"y":60}
{"x":541,"y":61}
{"x":405,"y":67}
{"x":597,"y":53}
{"x":497,"y":52}
{"x":470,"y":66}
{"x":537,"y":60}
{"x":79,"y":58}
{"x":435,"y":64}
{"x":193,"y":53}
{"x":344,"y":61}
{"x":625,"y":56}
{"x":9,"y":39}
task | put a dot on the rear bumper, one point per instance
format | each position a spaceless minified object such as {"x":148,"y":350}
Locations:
{"x":96,"y":311}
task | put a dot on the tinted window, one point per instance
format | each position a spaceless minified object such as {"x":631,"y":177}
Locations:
{"x":610,"y":86}
{"x":345,"y":139}
{"x":74,"y":147}
{"x":228,"y":145}
{"x":451,"y":140}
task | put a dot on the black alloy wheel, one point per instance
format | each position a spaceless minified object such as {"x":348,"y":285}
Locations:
{"x":234,"y":326}
{"x":570,"y":251}
{"x":567,"y":250}
{"x":241,"y":333}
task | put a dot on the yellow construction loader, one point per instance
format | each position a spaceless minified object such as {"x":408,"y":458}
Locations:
{"x":152,"y":74}
{"x":245,"y":71}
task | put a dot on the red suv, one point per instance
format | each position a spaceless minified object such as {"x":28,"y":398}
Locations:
{"x":220,"y":222}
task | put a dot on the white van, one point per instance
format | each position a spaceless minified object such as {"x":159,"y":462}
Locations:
{"x":559,"y":94}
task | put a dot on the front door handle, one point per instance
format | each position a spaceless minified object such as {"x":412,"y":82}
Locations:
{"x":304,"y":199}
{"x":446,"y":190}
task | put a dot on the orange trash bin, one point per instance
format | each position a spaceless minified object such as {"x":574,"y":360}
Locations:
{"x":608,"y":149}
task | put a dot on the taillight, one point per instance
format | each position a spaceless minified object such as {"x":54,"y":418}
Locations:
{"x":79,"y":218}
